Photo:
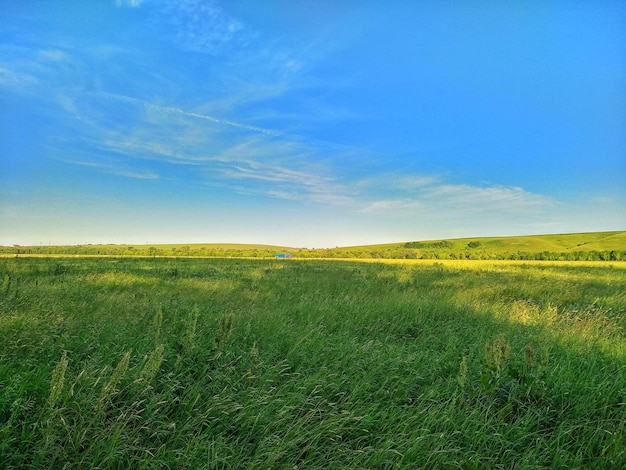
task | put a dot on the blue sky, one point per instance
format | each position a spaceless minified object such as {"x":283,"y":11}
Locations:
{"x":309,"y":123}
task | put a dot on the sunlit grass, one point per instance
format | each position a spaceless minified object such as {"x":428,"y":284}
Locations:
{"x":148,"y":363}
{"x":488,"y":265}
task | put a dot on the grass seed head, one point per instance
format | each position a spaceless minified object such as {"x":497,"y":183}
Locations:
{"x":462,"y":377}
{"x":58,"y":380}
{"x":190,"y":332}
{"x":497,"y":354}
{"x":116,"y":378}
{"x":530,"y":355}
{"x":153,"y":365}
{"x":226,"y":327}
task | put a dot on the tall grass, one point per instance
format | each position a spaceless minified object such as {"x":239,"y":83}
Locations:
{"x":118,"y":363}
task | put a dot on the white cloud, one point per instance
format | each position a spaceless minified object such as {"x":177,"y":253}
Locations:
{"x":201,"y":25}
{"x":16,"y":80}
{"x":413,"y":182}
{"x":258,"y":161}
{"x":116,"y":168}
{"x":435,"y":196}
{"x":168,"y":110}
{"x":501,"y":197}
{"x":128,"y":3}
{"x":387,"y":206}
{"x":39,"y":72}
{"x":53,"y":55}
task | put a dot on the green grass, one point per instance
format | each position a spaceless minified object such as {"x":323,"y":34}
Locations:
{"x":598,"y":241}
{"x":192,"y":363}
{"x":486,"y":247}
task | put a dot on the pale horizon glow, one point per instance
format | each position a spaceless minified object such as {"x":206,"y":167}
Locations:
{"x":309,"y":124}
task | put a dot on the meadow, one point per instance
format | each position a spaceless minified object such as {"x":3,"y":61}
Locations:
{"x":231,"y":363}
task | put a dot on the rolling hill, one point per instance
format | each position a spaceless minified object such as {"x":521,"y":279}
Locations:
{"x":555,"y":246}
{"x":607,"y":246}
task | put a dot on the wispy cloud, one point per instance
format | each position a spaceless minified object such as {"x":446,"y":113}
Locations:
{"x":246,"y":158}
{"x":391,"y":206}
{"x":251,"y":160}
{"x":16,"y":80}
{"x":175,"y":110}
{"x":135,"y":133}
{"x":200,"y":25}
{"x":435,"y":195}
{"x":53,"y":55}
{"x":304,"y":183}
{"x":494,"y":197}
{"x":115,"y":168}
{"x":128,"y":3}
{"x":36,"y":71}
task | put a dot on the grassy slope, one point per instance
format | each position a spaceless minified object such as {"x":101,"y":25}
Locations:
{"x":599,"y":241}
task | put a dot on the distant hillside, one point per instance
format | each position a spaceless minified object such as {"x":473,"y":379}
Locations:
{"x":587,"y":246}
{"x":191,"y":249}
{"x":601,"y":246}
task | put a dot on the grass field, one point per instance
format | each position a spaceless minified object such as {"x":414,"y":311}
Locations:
{"x":197,"y":363}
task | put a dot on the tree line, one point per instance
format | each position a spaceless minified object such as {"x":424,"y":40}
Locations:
{"x":414,"y":250}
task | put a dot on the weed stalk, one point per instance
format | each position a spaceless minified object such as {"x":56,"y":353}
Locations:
{"x":111,"y":386}
{"x":58,"y":380}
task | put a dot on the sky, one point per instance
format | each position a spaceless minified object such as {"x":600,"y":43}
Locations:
{"x":309,"y":123}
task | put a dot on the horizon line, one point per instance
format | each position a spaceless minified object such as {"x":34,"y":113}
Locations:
{"x":41,"y":244}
